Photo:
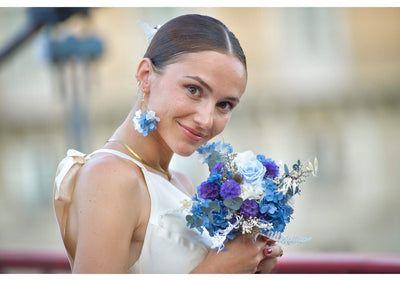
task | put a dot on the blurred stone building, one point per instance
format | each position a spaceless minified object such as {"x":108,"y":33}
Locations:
{"x":322,"y":82}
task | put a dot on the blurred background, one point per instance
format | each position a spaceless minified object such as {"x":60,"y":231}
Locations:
{"x":322,"y":82}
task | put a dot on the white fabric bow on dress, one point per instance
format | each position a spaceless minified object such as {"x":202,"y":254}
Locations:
{"x":66,"y":169}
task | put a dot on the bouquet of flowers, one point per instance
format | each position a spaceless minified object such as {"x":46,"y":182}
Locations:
{"x":245,"y":194}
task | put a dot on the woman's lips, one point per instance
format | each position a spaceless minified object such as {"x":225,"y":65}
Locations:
{"x":191,"y":133}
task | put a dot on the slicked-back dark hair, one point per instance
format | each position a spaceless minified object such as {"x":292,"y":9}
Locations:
{"x":190,"y":34}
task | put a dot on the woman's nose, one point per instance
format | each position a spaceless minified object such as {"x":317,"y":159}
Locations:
{"x":205,"y":116}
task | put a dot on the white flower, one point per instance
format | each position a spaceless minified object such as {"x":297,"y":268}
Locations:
{"x":135,"y":121}
{"x":151,"y":115}
{"x":243,"y":157}
{"x":252,"y":191}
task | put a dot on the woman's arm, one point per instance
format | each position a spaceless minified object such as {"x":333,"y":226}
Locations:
{"x":108,"y":204}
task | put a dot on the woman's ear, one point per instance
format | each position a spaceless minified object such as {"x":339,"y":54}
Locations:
{"x":143,"y":74}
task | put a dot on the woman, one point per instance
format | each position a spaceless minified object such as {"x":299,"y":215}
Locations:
{"x":115,"y":210}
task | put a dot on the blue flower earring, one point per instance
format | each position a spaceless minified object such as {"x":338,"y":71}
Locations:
{"x":145,"y":122}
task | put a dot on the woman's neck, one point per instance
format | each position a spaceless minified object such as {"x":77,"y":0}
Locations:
{"x":151,"y":148}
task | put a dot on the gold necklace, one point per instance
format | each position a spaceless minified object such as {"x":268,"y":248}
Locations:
{"x":140,"y":158}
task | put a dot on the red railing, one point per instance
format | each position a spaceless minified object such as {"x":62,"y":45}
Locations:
{"x":33,"y":262}
{"x":338,"y":264}
{"x":56,"y":262}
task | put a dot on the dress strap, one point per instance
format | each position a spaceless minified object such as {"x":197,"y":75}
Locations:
{"x":68,"y":164}
{"x":120,"y":154}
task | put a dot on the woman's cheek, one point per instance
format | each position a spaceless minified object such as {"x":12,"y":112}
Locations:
{"x":220,"y":125}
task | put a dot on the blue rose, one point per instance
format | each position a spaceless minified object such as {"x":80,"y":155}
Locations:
{"x":252,"y":171}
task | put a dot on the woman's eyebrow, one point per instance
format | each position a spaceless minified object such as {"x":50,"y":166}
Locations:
{"x":233,"y":99}
{"x":201,"y":81}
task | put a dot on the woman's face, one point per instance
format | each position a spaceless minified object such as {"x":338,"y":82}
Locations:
{"x":194,"y":98}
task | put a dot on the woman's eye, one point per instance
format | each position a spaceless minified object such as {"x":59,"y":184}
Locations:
{"x":194,"y":91}
{"x":225,"y":106}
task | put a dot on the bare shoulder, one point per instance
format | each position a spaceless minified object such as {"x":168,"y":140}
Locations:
{"x":107,"y":176}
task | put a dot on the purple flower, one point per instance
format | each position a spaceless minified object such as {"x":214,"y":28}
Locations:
{"x":217,"y":168}
{"x":230,"y":189}
{"x":272,"y":169}
{"x":249,"y":208}
{"x":208,"y":190}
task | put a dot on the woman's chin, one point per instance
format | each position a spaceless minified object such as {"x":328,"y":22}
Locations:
{"x":185,"y":151}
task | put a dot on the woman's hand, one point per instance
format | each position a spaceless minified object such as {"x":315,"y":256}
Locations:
{"x":271,"y":253}
{"x":242,"y":255}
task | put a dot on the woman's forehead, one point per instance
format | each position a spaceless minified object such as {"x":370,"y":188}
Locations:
{"x":209,"y":64}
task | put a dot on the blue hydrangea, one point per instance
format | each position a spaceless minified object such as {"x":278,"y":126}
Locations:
{"x":215,"y":178}
{"x":271,"y":193}
{"x":217,"y":221}
{"x":274,"y":208}
{"x":208,"y":148}
{"x":280,"y":218}
{"x":268,"y":208}
{"x":230,"y":189}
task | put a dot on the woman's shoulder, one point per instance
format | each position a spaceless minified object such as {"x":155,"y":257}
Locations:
{"x":111,"y":178}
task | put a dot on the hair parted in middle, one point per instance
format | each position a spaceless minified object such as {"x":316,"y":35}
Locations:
{"x":190,"y":34}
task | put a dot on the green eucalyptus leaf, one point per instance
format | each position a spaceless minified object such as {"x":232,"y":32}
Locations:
{"x":215,"y":155}
{"x":290,"y":192}
{"x":214,"y":206}
{"x":286,"y":170}
{"x":215,"y":158}
{"x":190,"y":221}
{"x":234,"y":203}
{"x":211,"y":218}
{"x":205,"y":209}
{"x":199,"y":221}
{"x":211,"y":164}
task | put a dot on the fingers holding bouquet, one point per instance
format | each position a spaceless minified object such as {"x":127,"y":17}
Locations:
{"x":271,"y":252}
{"x":272,"y":249}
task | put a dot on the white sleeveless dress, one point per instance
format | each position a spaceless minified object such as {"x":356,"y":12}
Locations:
{"x":169,"y":245}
